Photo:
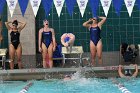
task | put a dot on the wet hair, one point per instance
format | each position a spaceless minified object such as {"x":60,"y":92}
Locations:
{"x":67,"y":76}
{"x":15,"y":22}
{"x":45,"y":20}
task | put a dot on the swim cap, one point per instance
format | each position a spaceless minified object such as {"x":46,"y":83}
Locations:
{"x":45,"y":20}
{"x":67,"y":39}
{"x":128,"y":72}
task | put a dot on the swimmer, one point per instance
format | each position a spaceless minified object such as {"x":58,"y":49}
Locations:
{"x":128,"y":74}
{"x":67,"y":39}
{"x":95,"y":39}
{"x":47,"y":44}
{"x":15,"y":47}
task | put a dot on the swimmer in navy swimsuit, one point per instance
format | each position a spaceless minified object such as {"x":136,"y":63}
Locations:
{"x":47,"y":44}
{"x":15,"y":46}
{"x":95,"y":35}
{"x":95,"y":39}
{"x":47,"y":38}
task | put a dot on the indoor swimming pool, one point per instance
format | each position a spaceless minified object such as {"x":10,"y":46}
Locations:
{"x":81,"y":85}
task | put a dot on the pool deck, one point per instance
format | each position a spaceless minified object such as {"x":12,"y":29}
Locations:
{"x":40,"y":73}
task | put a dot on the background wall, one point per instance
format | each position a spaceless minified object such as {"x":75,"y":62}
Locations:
{"x":116,"y":29}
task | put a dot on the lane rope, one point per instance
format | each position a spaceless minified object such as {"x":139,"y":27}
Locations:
{"x":26,"y":88}
{"x":120,"y":86}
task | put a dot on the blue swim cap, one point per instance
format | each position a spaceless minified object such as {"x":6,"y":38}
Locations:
{"x":66,"y":39}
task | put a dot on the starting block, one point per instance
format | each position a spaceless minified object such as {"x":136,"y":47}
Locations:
{"x":74,"y":50}
{"x":3,"y":53}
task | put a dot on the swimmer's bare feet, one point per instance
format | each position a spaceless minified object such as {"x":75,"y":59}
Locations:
{"x":93,"y":64}
{"x":100,"y":62}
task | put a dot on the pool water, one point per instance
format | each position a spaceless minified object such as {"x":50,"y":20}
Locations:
{"x":82,"y":85}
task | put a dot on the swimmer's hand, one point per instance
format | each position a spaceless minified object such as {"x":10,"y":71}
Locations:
{"x":54,"y":48}
{"x":66,"y":44}
{"x":1,"y":38}
{"x":40,"y":49}
{"x":91,"y":19}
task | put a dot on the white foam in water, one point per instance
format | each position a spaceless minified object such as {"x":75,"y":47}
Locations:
{"x":79,"y":74}
{"x":76,"y":75}
{"x":80,"y":78}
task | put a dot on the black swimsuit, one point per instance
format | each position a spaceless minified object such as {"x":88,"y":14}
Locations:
{"x":15,"y":38}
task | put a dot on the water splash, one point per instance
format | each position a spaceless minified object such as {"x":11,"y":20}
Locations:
{"x":79,"y":74}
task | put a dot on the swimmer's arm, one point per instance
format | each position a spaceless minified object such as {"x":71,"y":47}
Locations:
{"x":53,"y":37}
{"x":73,"y":37}
{"x":62,"y":39}
{"x":136,"y":71}
{"x":120,"y":71}
{"x":103,"y":19}
{"x":86,"y":24}
{"x":7,"y":25}
{"x":22,"y":25}
{"x":40,"y":37}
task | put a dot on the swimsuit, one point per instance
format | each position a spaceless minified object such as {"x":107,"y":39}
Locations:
{"x":15,"y":38}
{"x":95,"y":34}
{"x":47,"y":38}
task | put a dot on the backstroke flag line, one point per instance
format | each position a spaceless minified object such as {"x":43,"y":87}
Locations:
{"x":82,"y":6}
{"x":138,"y":3}
{"x":35,"y":5}
{"x":11,"y":5}
{"x":117,"y":5}
{"x":94,"y":5}
{"x":47,"y":4}
{"x":58,"y":5}
{"x":23,"y":5}
{"x":106,"y":5}
{"x":70,"y":6}
{"x":129,"y":5}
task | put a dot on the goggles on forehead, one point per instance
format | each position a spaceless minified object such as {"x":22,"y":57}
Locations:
{"x":45,"y":20}
{"x":14,"y":25}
